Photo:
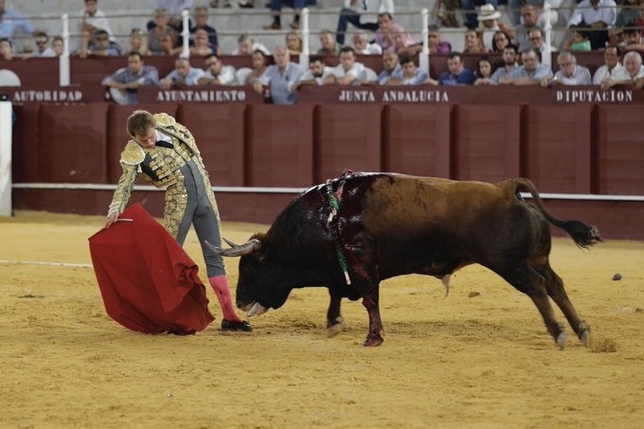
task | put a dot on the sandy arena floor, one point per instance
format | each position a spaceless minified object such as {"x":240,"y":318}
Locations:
{"x":478,"y":359}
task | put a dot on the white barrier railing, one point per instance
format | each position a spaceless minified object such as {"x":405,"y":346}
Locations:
{"x":5,"y":158}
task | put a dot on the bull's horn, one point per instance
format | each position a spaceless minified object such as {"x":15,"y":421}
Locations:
{"x":237,"y":250}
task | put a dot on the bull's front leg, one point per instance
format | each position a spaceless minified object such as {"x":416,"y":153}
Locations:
{"x":376,"y":330}
{"x":334,"y":319}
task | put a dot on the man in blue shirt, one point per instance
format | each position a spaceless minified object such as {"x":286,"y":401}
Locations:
{"x":281,"y":78}
{"x":183,"y":74}
{"x":531,"y":72}
{"x":391,"y":68}
{"x":125,"y":82}
{"x":457,"y":74}
{"x":10,"y":19}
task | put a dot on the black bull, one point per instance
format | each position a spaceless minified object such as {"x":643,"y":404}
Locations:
{"x":351,"y":233}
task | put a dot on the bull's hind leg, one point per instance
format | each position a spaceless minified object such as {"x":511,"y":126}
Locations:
{"x":527,"y":280}
{"x":556,"y":291}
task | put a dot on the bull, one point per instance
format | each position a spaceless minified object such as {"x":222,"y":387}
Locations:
{"x":350,"y":233}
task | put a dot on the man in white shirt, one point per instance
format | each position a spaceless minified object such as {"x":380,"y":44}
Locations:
{"x":318,"y":71}
{"x":600,"y":15}
{"x":569,"y":73}
{"x":216,"y":72}
{"x":631,"y":74}
{"x":362,"y":46}
{"x":354,"y":10}
{"x":610,"y":67}
{"x":348,"y":71}
{"x":95,"y":19}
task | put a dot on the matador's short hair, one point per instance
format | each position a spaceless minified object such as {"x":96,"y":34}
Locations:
{"x":139,"y":122}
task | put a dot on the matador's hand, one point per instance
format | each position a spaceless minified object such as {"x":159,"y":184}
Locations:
{"x":112,"y":217}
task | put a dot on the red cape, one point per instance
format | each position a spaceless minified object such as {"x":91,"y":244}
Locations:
{"x":148,"y":282}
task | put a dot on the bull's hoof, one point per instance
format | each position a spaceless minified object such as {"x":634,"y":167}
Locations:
{"x":583,"y":332}
{"x":585,"y":338}
{"x":373,"y":341}
{"x":335,"y":327}
{"x":562,"y":338}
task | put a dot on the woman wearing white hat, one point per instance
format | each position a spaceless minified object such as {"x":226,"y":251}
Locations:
{"x":489,"y":24}
{"x":469,"y":9}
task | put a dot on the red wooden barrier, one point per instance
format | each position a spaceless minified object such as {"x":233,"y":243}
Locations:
{"x":280,"y":146}
{"x":620,"y":150}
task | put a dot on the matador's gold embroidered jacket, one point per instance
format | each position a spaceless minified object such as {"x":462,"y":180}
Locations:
{"x":162,"y":167}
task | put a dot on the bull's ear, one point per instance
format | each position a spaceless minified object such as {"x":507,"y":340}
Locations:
{"x":236,"y":249}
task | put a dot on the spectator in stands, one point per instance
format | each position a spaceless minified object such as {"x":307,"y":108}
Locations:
{"x":201,"y":44}
{"x":100,"y":45}
{"x":509,"y":57}
{"x":610,"y":67}
{"x":580,"y":40}
{"x":391,"y":68}
{"x":6,"y":49}
{"x":632,"y":74}
{"x":10,"y":19}
{"x":411,"y":75}
{"x":217,"y":73}
{"x":328,"y":43}
{"x":469,"y":6}
{"x":483,"y":72}
{"x":403,"y":42}
{"x":43,"y":50}
{"x":386,"y":31}
{"x":599,"y":15}
{"x":281,"y":78}
{"x":489,"y":24}
{"x":353,"y":12}
{"x":58,"y":45}
{"x":201,"y":23}
{"x":167,"y":46}
{"x":531,"y":72}
{"x":529,"y":18}
{"x":628,"y":13}
{"x":500,"y":41}
{"x":125,"y":82}
{"x":569,"y":73}
{"x":538,"y":41}
{"x":362,"y":46}
{"x":294,"y":42}
{"x":260,"y":64}
{"x":348,"y":71}
{"x":174,"y":8}
{"x":95,"y":19}
{"x":473,"y":42}
{"x":157,"y":33}
{"x":246,"y":45}
{"x":633,"y":40}
{"x":434,"y":43}
{"x":318,"y":71}
{"x":276,"y":10}
{"x":183,"y":74}
{"x":457,"y":73}
{"x":136,"y":42}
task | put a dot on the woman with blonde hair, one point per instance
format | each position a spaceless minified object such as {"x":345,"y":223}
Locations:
{"x":294,"y":42}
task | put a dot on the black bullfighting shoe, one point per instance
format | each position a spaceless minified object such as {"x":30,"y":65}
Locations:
{"x":229,"y":325}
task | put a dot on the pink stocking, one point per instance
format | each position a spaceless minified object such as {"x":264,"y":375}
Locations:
{"x":220,"y":286}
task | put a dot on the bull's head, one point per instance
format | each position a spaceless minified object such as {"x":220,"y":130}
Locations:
{"x":254,"y":292}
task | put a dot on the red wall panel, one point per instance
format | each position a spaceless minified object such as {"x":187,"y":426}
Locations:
{"x":219,"y":132}
{"x":620,"y":150}
{"x":280,"y":145}
{"x":559,"y":147}
{"x":73,"y":143}
{"x":417,"y":140}
{"x":487,"y":142}
{"x":25,"y":154}
{"x":349,"y":137}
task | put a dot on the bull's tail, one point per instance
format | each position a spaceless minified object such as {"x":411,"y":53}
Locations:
{"x":582,"y":234}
